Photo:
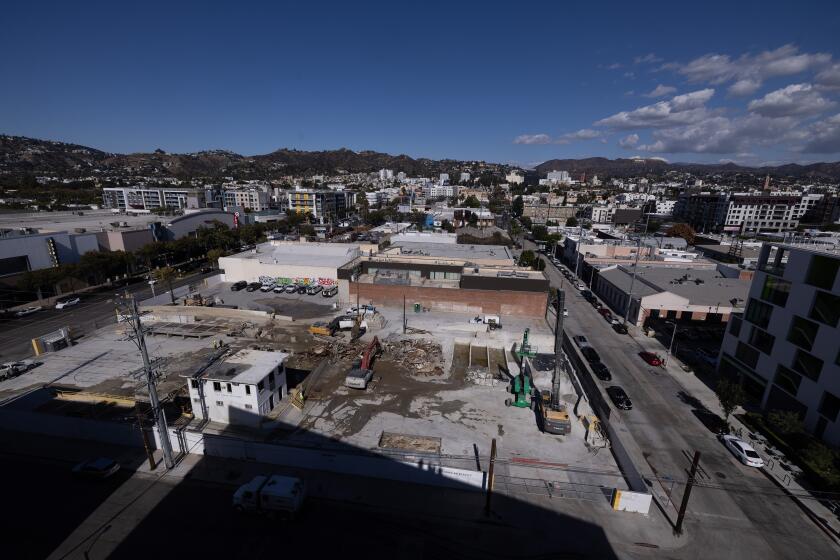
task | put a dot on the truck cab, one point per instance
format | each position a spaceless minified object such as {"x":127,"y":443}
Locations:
{"x":272,"y":494}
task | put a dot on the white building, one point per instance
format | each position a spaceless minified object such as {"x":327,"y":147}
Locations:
{"x":785,"y":348}
{"x":665,"y":207}
{"x":556,"y":177}
{"x":465,"y":177}
{"x":515,"y":178}
{"x":240,"y":389}
{"x":600,"y":214}
{"x":434,"y":191}
{"x":386,"y":174}
{"x":444,"y":179}
{"x":767,"y":213}
{"x":142,"y":198}
{"x":253,"y":199}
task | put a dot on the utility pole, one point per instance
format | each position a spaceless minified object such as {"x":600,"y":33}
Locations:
{"x":687,"y":493}
{"x":673,"y":336}
{"x":157,"y":411}
{"x":404,"y":319}
{"x":635,"y":268}
{"x":490,"y":477}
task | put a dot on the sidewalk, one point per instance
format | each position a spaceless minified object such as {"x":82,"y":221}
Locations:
{"x":786,"y":480}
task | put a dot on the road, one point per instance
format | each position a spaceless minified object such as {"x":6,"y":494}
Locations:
{"x":94,"y":311}
{"x":667,"y":430}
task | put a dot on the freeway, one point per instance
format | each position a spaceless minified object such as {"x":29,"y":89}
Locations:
{"x":744,"y":506}
{"x":92,"y":312}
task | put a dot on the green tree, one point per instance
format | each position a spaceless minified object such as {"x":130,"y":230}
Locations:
{"x":447,"y":226}
{"x":526,"y":222}
{"x":571,"y":221}
{"x":527,"y":258}
{"x":730,"y":395}
{"x":517,"y":207}
{"x":166,"y":275}
{"x":213,"y":256}
{"x":473,"y":219}
{"x":471,"y":202}
{"x":786,"y":421}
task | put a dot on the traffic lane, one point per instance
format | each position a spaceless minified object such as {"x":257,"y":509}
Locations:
{"x":669,"y":432}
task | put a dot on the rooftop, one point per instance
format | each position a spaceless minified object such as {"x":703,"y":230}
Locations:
{"x":90,"y":220}
{"x":297,"y":253}
{"x":466,"y":253}
{"x":246,"y":366}
{"x":699,"y":286}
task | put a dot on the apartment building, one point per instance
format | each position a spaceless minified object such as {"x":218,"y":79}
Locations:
{"x":142,"y":198}
{"x":556,"y":177}
{"x":705,"y":212}
{"x":321,"y":204}
{"x":434,"y":191}
{"x":785,"y":348}
{"x":767,"y":213}
{"x":252,"y":199}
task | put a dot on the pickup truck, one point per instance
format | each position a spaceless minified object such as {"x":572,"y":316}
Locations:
{"x":13,"y":369}
{"x":271,"y":495}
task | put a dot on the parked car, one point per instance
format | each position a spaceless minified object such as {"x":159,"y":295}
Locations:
{"x":580,"y":286}
{"x":565,"y":312}
{"x":253,"y":287}
{"x":619,"y":328}
{"x":619,"y":398}
{"x":301,"y":289}
{"x":363,"y":310}
{"x":330,"y":292}
{"x":68,"y":302}
{"x":601,"y":371}
{"x":581,"y":341}
{"x":13,"y":369}
{"x":606,"y":314}
{"x":236,"y":286}
{"x":267,"y":287}
{"x":279,"y":289}
{"x":28,"y":311}
{"x":590,"y":354}
{"x":314,"y":290}
{"x":101,"y":467}
{"x":742,"y":451}
{"x":651,"y":358}
{"x":271,"y":495}
{"x":291,"y":289}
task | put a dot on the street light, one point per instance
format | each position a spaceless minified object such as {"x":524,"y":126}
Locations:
{"x":673,"y":336}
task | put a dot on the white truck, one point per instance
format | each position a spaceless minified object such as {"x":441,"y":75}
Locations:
{"x":273,"y":495}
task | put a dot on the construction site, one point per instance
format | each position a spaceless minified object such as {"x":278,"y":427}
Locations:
{"x":397,"y":382}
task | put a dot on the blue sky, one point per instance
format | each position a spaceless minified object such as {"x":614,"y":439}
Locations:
{"x":751,"y":82}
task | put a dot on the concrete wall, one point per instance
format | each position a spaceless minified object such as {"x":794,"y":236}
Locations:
{"x":250,"y":270}
{"x":496,"y":302}
{"x":125,"y":240}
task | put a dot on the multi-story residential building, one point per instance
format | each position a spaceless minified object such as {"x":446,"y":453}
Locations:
{"x":600,"y":214}
{"x":665,"y":207}
{"x":434,"y":191}
{"x":515,"y":178}
{"x":705,"y":212}
{"x":556,"y":177}
{"x":253,"y":199}
{"x":143,"y":198}
{"x":465,"y":177}
{"x":785,"y":348}
{"x":321,"y":204}
{"x":767,"y":213}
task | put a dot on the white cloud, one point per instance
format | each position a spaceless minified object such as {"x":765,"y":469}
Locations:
{"x":749,"y":70}
{"x":614,"y":66}
{"x":629,"y":141}
{"x":683,"y":109}
{"x":830,"y":77}
{"x":824,"y":137}
{"x":793,"y":100}
{"x":649,"y":58}
{"x":661,"y":91}
{"x":582,"y":134}
{"x":721,"y":135}
{"x":532,"y":139}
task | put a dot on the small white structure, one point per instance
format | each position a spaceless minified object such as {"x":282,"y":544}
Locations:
{"x":241,"y":389}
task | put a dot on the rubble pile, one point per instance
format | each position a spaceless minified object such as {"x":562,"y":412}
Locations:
{"x":419,"y":356}
{"x":482,"y":376}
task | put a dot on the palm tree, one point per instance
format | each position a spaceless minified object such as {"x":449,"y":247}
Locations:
{"x":167,"y":274}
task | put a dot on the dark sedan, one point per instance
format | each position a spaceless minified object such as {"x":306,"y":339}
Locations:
{"x":601,"y":371}
{"x":619,"y":398}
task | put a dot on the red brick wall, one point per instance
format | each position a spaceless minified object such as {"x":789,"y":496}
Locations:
{"x":493,"y":302}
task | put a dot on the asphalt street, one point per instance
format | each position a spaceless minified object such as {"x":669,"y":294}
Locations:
{"x":92,"y":312}
{"x":745,"y":506}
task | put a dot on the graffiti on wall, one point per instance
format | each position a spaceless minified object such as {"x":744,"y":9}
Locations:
{"x":283,"y":281}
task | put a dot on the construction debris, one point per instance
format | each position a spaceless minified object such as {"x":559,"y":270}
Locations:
{"x":481,"y":376}
{"x":420,"y":356}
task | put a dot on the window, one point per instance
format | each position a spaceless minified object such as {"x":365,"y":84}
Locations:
{"x":787,"y":379}
{"x":194,"y":383}
{"x":260,"y":386}
{"x":247,"y":389}
{"x":747,"y":354}
{"x":808,"y":365}
{"x":248,"y":406}
{"x":822,"y":271}
{"x":758,"y":313}
{"x":217,"y":386}
{"x":762,"y":340}
{"x":830,"y":406}
{"x":826,"y":308}
{"x":271,"y":376}
{"x":735,"y":326}
{"x":803,"y":332}
{"x":775,"y":290}
{"x":220,"y":403}
{"x":229,"y":388}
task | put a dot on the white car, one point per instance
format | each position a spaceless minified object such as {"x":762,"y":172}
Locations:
{"x":580,"y":286}
{"x":28,"y":311}
{"x":62,"y":303}
{"x":565,"y":312}
{"x":743,"y":451}
{"x":365,"y":310}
